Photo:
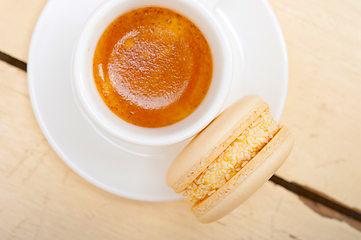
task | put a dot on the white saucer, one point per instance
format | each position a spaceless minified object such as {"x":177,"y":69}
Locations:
{"x":124,"y":169}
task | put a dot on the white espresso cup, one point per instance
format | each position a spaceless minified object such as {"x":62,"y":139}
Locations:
{"x":91,"y":103}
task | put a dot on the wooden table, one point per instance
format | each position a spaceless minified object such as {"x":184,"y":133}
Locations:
{"x":316,"y":194}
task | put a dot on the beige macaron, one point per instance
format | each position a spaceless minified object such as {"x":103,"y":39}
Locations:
{"x":230,"y":159}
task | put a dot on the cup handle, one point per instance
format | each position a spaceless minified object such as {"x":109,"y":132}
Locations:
{"x":212,"y":3}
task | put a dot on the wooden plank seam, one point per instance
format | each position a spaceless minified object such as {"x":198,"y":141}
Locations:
{"x":13,"y":61}
{"x":310,"y":194}
{"x":290,"y":186}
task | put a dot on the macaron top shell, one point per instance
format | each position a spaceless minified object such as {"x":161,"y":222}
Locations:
{"x":213,"y":140}
{"x":242,"y":117}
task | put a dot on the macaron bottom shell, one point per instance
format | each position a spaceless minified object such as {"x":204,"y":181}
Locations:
{"x":236,"y":156}
{"x":246,"y":182}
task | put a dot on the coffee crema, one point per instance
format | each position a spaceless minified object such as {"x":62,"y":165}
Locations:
{"x":152,"y":67}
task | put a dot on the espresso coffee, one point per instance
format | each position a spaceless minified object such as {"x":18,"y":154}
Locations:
{"x":152,"y":67}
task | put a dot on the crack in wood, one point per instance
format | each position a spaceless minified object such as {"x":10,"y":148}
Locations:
{"x":320,"y":199}
{"x":319,"y":202}
{"x":330,"y":213}
{"x":13,"y":61}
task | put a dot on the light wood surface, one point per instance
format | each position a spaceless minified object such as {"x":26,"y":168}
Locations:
{"x":17,"y":22}
{"x":323,"y":107}
{"x":42,"y":198}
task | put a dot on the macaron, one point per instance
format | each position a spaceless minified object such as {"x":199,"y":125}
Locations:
{"x":230,"y":159}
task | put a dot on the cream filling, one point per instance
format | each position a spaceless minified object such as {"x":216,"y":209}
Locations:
{"x":233,"y":158}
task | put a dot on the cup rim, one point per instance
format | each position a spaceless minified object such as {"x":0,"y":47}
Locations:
{"x":213,"y":109}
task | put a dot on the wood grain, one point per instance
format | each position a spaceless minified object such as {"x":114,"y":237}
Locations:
{"x":42,"y":198}
{"x":17,"y":22}
{"x":324,"y":98}
{"x":323,"y":108}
